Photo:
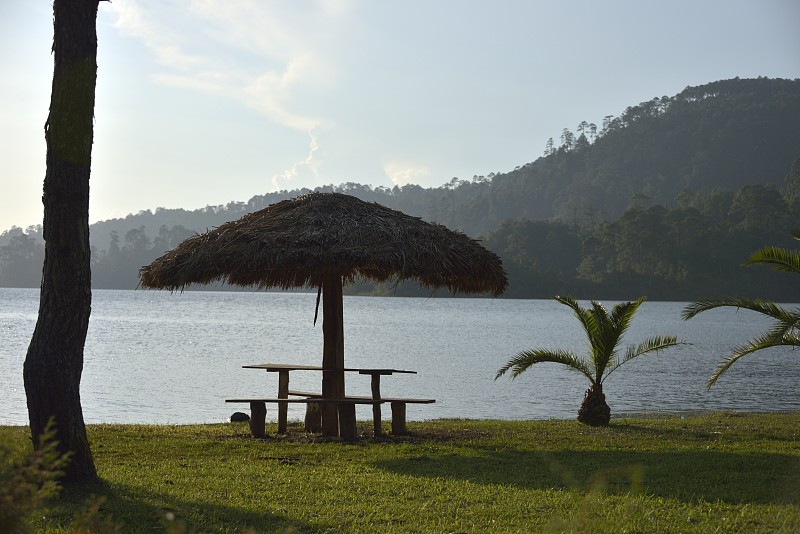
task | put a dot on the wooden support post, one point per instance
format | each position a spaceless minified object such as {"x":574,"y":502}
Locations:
{"x":376,"y":408}
{"x":258,"y":418}
{"x":332,"y":351}
{"x":283,"y":393}
{"x":398,"y":418}
{"x":347,"y":421}
{"x":330,"y":416}
{"x":313,"y":421}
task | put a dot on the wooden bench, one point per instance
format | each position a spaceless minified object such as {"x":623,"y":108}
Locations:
{"x":398,"y":411}
{"x":329,"y":420}
{"x":346,"y":409}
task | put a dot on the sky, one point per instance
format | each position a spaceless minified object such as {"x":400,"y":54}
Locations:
{"x":204,"y":102}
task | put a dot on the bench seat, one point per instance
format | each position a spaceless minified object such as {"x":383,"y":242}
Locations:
{"x":346,"y":400}
{"x":398,"y":405}
{"x":346,"y":409}
{"x":314,"y":395}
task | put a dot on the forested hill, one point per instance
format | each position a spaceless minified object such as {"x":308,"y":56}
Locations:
{"x":726,"y":134}
{"x":680,"y":152}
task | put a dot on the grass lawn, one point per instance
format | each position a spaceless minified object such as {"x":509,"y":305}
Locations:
{"x":707,"y":473}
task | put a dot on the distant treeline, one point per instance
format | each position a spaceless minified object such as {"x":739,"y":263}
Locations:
{"x":689,"y":251}
{"x":665,"y":200}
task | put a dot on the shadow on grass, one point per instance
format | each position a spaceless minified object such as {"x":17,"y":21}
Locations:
{"x":142,"y":510}
{"x":700,"y":434}
{"x":687,"y":476}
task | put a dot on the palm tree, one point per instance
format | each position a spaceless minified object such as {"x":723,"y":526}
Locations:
{"x":604,"y":332}
{"x":785,"y":332}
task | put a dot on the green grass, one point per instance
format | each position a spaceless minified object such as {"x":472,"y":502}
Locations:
{"x":708,"y":473}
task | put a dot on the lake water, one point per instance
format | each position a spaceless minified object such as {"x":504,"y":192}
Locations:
{"x":172,"y":358}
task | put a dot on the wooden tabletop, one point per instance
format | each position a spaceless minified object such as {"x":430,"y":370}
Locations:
{"x":274,"y":367}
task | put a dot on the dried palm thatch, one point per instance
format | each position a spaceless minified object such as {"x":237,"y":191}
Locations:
{"x":298,"y":242}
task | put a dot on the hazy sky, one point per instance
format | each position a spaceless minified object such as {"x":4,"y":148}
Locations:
{"x":208,"y":101}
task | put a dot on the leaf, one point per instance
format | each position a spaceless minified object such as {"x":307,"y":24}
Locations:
{"x":764,"y":341}
{"x":780,"y":258}
{"x":587,"y":320}
{"x":787,"y":322}
{"x":651,"y":345}
{"x":524,"y":360}
{"x":770,"y":309}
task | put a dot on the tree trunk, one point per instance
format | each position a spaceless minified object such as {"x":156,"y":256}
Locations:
{"x":332,"y":351}
{"x":54,"y":361}
{"x":594,"y":411}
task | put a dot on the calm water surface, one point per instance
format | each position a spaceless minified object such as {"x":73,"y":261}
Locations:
{"x":157,"y":357}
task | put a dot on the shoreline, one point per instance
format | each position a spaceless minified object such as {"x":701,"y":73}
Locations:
{"x":688,"y":414}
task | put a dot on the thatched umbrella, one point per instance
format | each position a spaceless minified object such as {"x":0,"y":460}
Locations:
{"x":323,"y":240}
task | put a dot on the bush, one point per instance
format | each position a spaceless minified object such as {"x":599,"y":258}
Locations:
{"x":26,"y":484}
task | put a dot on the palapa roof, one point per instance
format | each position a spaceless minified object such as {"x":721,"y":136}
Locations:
{"x":295,"y":243}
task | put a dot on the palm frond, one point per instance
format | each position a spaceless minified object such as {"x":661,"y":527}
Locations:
{"x":622,"y":313}
{"x":781,"y":259}
{"x":764,"y":341}
{"x":602,"y":342}
{"x":621,"y":317}
{"x":654,"y":344}
{"x":790,"y":326}
{"x":787,"y":337}
{"x":614,"y":326}
{"x":764,"y":307}
{"x":585,"y":317}
{"x":524,"y":360}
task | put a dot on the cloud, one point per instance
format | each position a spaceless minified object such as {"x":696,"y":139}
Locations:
{"x":279,"y":181}
{"x":270,"y":92}
{"x":134,"y":21}
{"x":271,"y":59}
{"x":402,"y":173}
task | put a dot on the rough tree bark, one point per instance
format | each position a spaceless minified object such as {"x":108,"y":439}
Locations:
{"x":594,"y":411}
{"x":54,"y":362}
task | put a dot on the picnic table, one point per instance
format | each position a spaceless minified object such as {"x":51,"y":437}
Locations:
{"x":345,"y":406}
